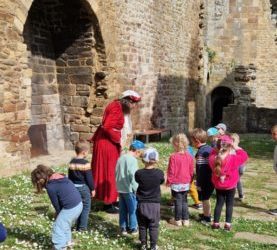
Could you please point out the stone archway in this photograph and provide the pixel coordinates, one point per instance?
(221, 97)
(66, 54)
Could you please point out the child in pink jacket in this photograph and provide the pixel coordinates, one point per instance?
(225, 161)
(179, 177)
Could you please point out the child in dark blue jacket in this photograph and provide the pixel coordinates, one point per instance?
(66, 200)
(80, 174)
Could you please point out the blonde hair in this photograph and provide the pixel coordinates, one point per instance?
(81, 146)
(222, 149)
(235, 138)
(180, 141)
(199, 134)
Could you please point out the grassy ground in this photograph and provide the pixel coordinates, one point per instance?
(29, 217)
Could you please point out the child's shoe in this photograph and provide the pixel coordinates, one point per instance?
(241, 198)
(154, 247)
(123, 231)
(174, 222)
(227, 227)
(143, 247)
(185, 223)
(206, 220)
(134, 231)
(198, 206)
(215, 225)
(273, 212)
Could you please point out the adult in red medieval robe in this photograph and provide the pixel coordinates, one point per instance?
(107, 147)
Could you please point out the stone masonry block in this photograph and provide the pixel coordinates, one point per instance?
(67, 89)
(80, 128)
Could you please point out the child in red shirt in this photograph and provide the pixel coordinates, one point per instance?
(179, 178)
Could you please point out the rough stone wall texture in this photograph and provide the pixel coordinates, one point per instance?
(242, 34)
(60, 75)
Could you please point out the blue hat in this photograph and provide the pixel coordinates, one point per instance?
(150, 155)
(212, 131)
(136, 144)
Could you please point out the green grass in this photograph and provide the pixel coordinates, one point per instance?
(29, 217)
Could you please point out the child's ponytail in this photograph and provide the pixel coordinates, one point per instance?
(222, 148)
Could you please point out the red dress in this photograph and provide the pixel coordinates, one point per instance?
(106, 151)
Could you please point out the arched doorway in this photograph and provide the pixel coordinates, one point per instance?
(220, 98)
(66, 50)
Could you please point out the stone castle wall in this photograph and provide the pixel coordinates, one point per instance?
(62, 62)
(242, 34)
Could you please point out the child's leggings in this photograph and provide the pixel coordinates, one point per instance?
(224, 196)
(239, 185)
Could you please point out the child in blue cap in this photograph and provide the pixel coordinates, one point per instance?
(126, 185)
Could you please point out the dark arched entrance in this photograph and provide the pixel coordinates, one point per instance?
(220, 98)
(66, 50)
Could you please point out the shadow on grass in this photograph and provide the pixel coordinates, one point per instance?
(244, 205)
(27, 234)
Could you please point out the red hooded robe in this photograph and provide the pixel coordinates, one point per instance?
(106, 151)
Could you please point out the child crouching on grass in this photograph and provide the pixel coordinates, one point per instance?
(126, 186)
(66, 200)
(225, 175)
(149, 180)
(179, 178)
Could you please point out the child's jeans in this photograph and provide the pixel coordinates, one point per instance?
(127, 211)
(82, 222)
(239, 185)
(224, 196)
(61, 232)
(181, 205)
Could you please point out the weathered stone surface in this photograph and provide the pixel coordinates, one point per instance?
(50, 66)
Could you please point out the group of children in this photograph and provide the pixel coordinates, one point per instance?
(217, 167)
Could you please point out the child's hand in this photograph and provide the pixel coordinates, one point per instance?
(92, 193)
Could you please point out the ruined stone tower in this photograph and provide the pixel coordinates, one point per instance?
(194, 62)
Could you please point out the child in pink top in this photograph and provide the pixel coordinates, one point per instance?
(179, 177)
(225, 161)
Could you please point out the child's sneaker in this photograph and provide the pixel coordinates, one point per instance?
(134, 232)
(215, 225)
(143, 247)
(241, 198)
(185, 223)
(273, 212)
(123, 231)
(70, 244)
(198, 206)
(154, 247)
(174, 222)
(227, 227)
(206, 220)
